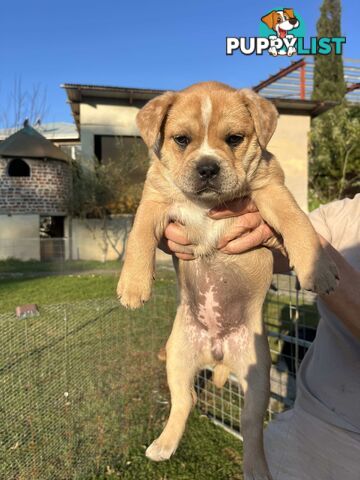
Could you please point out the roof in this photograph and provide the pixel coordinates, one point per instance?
(55, 131)
(296, 81)
(28, 143)
(78, 93)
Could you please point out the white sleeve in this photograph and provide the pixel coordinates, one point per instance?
(318, 219)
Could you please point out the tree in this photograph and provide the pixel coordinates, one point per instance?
(335, 155)
(334, 140)
(101, 190)
(20, 104)
(329, 81)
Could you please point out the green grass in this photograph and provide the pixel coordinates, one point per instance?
(84, 393)
(64, 288)
(13, 265)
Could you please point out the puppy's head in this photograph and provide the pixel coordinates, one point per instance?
(281, 21)
(209, 137)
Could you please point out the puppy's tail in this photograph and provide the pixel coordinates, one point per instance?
(220, 375)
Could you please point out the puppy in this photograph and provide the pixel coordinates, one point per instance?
(208, 146)
(282, 22)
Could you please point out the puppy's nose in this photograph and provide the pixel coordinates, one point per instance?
(207, 169)
(293, 21)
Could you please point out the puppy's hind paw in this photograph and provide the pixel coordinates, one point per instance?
(158, 452)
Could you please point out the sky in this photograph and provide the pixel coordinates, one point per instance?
(147, 44)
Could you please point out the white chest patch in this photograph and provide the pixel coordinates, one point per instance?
(201, 230)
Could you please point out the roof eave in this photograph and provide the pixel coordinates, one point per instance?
(77, 93)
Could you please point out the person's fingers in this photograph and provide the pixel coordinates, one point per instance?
(234, 208)
(251, 240)
(184, 256)
(177, 248)
(163, 245)
(241, 225)
(177, 234)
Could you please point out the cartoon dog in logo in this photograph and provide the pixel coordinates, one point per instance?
(282, 22)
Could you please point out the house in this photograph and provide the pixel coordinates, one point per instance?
(103, 114)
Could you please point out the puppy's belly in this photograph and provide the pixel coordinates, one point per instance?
(207, 341)
(219, 295)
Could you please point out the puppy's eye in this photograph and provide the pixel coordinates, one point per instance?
(279, 20)
(234, 140)
(182, 140)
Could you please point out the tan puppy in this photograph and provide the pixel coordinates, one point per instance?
(208, 146)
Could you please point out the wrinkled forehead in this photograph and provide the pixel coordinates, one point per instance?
(210, 110)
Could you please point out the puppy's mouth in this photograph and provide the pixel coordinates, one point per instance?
(208, 190)
(282, 32)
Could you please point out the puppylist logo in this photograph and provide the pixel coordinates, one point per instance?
(282, 32)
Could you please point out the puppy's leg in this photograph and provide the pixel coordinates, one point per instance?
(181, 367)
(134, 287)
(252, 370)
(314, 268)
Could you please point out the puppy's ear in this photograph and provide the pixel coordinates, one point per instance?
(269, 20)
(263, 113)
(290, 12)
(150, 118)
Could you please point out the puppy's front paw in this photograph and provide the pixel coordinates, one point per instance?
(159, 452)
(322, 277)
(134, 292)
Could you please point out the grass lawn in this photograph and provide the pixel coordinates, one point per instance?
(25, 288)
(13, 265)
(84, 393)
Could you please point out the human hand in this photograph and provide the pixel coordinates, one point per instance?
(249, 229)
(175, 242)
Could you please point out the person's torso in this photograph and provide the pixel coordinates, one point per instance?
(329, 378)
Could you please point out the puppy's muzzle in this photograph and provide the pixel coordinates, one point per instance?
(207, 169)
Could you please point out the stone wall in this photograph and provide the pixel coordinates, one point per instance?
(45, 192)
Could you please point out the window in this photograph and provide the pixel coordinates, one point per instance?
(18, 168)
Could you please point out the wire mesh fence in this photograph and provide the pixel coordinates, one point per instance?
(81, 380)
(68, 377)
(291, 318)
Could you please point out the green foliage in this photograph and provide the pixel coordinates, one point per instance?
(335, 135)
(111, 187)
(329, 81)
(335, 154)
